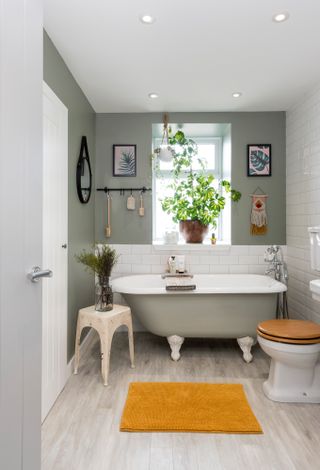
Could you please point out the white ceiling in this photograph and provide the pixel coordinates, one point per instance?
(194, 56)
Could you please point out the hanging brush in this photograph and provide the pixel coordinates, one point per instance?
(141, 208)
(108, 226)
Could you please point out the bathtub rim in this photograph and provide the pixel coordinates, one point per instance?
(274, 286)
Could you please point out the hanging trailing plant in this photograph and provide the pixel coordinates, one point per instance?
(165, 152)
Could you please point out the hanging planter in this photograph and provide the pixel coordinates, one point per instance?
(165, 153)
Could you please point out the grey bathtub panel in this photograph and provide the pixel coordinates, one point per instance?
(203, 315)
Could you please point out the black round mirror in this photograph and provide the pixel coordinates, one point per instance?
(84, 175)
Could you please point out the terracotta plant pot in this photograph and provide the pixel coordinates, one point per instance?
(193, 231)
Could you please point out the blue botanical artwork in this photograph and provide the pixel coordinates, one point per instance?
(259, 160)
(124, 160)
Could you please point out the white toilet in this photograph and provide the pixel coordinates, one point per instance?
(294, 348)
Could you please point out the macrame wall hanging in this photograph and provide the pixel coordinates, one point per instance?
(259, 220)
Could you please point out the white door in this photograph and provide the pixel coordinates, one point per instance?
(21, 34)
(55, 252)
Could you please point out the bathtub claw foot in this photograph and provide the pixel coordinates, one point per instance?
(175, 343)
(246, 344)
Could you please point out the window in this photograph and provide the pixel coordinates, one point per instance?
(211, 150)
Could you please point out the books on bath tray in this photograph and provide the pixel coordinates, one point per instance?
(179, 283)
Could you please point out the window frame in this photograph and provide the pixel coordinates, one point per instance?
(217, 172)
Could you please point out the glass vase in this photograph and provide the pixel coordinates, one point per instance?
(103, 295)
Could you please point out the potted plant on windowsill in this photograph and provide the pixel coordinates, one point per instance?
(100, 260)
(196, 202)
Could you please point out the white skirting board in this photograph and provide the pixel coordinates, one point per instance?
(86, 343)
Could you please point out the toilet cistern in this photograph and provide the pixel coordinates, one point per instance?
(315, 289)
(314, 234)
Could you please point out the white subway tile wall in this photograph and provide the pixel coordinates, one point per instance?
(144, 259)
(303, 201)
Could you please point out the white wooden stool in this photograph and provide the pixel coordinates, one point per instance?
(105, 323)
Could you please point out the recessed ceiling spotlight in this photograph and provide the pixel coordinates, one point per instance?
(153, 95)
(236, 94)
(147, 19)
(280, 17)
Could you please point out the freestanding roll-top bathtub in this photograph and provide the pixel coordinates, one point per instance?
(221, 306)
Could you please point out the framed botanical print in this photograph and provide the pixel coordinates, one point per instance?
(124, 160)
(259, 160)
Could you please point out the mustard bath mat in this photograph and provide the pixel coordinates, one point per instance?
(188, 407)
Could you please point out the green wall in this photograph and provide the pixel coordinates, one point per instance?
(246, 128)
(81, 121)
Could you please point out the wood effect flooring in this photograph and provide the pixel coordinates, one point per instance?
(81, 431)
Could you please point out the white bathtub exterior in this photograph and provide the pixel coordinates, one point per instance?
(222, 306)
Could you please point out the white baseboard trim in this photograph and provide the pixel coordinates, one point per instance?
(86, 343)
(68, 371)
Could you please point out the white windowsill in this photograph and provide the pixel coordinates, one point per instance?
(206, 246)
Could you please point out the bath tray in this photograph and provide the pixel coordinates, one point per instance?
(181, 288)
(165, 275)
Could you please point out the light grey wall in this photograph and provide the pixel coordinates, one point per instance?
(246, 128)
(127, 226)
(81, 121)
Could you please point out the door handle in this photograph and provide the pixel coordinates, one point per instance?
(37, 273)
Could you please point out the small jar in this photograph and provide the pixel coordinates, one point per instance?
(172, 265)
(213, 239)
(103, 295)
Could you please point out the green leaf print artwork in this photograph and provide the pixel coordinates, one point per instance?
(127, 163)
(259, 163)
(124, 160)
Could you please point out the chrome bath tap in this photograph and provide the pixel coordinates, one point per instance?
(273, 256)
(274, 268)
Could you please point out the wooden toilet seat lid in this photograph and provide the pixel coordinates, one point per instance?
(290, 330)
(278, 339)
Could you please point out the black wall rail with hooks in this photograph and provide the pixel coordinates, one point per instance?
(122, 191)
